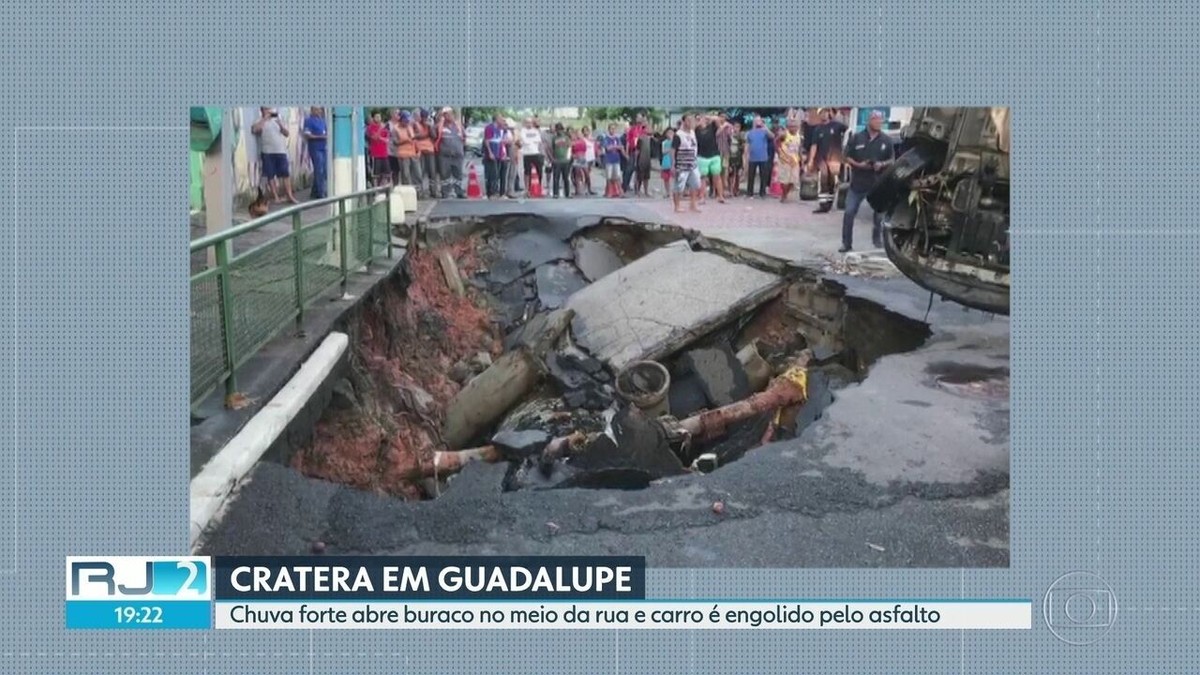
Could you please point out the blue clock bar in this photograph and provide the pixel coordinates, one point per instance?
(143, 615)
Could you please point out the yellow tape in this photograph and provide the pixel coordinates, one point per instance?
(799, 377)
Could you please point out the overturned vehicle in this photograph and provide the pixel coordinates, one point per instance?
(947, 200)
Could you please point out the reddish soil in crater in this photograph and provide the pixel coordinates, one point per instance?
(405, 344)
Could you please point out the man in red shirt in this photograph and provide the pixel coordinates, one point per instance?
(377, 139)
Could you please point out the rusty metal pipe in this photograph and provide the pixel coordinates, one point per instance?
(447, 462)
(452, 461)
(791, 388)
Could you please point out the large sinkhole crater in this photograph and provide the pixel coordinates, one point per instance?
(602, 355)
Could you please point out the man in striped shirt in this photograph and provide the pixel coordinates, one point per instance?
(683, 162)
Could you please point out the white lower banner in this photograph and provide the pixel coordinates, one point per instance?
(646, 614)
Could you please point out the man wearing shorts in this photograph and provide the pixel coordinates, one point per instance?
(272, 137)
(708, 161)
(825, 156)
(613, 152)
(724, 131)
(684, 164)
(668, 141)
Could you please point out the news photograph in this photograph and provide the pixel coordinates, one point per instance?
(707, 336)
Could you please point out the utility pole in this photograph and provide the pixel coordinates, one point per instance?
(218, 182)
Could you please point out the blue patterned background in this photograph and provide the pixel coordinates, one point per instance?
(93, 429)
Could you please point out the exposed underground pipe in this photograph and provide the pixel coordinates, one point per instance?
(790, 388)
(452, 461)
(448, 462)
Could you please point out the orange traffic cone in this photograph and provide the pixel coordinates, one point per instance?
(473, 191)
(535, 183)
(776, 188)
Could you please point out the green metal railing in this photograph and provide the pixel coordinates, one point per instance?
(243, 300)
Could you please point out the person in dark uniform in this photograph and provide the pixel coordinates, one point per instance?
(825, 156)
(868, 153)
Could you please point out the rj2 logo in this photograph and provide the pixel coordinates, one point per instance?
(136, 578)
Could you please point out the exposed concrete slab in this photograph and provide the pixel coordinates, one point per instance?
(663, 301)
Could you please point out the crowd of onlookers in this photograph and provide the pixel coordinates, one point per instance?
(704, 156)
(419, 148)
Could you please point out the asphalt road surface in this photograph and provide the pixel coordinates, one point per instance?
(901, 470)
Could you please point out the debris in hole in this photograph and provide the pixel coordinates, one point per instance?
(706, 463)
(450, 271)
(718, 508)
(486, 398)
(675, 360)
(581, 379)
(632, 452)
(405, 338)
(595, 258)
(758, 371)
(517, 445)
(663, 301)
(645, 385)
(535, 247)
(719, 373)
(557, 282)
(788, 389)
(542, 332)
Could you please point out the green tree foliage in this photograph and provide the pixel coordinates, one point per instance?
(653, 115)
(483, 115)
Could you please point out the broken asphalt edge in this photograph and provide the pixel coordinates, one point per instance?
(218, 478)
(446, 229)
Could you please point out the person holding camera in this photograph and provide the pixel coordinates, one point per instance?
(869, 153)
(272, 136)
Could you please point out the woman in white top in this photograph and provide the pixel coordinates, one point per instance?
(531, 150)
(591, 159)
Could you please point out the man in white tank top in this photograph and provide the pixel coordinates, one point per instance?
(531, 149)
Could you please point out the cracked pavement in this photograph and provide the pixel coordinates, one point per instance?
(900, 471)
